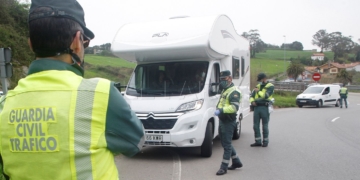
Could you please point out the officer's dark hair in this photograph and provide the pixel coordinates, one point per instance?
(52, 33)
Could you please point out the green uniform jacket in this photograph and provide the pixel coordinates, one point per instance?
(263, 95)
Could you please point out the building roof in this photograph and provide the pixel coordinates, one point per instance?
(310, 68)
(341, 66)
(318, 54)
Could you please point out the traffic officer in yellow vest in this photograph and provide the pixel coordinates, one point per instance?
(55, 124)
(260, 99)
(343, 95)
(227, 108)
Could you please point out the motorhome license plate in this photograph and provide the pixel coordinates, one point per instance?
(303, 101)
(153, 138)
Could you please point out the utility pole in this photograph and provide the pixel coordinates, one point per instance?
(5, 67)
(284, 55)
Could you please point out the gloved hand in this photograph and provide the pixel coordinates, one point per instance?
(217, 112)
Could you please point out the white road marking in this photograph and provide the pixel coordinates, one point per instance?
(176, 175)
(335, 119)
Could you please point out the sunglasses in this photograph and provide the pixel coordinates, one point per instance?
(85, 40)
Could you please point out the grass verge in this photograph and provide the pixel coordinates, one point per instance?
(285, 99)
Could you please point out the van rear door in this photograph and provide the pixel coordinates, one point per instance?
(326, 95)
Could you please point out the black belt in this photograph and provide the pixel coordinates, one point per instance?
(262, 104)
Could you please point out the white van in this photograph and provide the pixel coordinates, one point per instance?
(319, 95)
(174, 88)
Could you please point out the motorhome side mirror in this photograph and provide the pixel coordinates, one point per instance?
(325, 92)
(213, 88)
(118, 86)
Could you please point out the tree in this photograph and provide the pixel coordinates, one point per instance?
(294, 70)
(345, 76)
(256, 44)
(297, 46)
(340, 45)
(321, 39)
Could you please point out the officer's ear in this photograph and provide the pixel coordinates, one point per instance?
(30, 45)
(77, 44)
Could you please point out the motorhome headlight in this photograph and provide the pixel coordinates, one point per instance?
(193, 105)
(312, 97)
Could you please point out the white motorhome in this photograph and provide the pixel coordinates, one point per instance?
(174, 88)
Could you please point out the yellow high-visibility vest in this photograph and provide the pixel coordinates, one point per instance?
(343, 90)
(224, 101)
(52, 126)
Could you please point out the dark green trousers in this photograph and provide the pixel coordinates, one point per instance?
(261, 112)
(343, 97)
(226, 131)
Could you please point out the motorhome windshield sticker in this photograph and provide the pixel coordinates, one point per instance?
(161, 34)
(227, 35)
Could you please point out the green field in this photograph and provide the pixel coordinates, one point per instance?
(114, 69)
(279, 54)
(108, 61)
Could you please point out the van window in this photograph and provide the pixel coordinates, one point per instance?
(168, 79)
(214, 78)
(313, 90)
(236, 68)
(327, 90)
(242, 66)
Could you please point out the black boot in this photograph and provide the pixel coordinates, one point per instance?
(265, 144)
(221, 172)
(255, 144)
(234, 166)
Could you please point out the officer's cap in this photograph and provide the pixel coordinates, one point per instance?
(261, 76)
(70, 9)
(225, 73)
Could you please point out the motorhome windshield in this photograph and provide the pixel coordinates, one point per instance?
(168, 79)
(313, 90)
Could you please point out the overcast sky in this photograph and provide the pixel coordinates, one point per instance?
(298, 20)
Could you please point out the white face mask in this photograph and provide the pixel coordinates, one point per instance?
(203, 74)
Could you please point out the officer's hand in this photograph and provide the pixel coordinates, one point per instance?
(256, 89)
(253, 103)
(217, 112)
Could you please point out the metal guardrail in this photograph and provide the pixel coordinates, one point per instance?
(353, 87)
(290, 86)
(301, 86)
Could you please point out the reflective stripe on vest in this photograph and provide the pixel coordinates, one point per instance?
(82, 129)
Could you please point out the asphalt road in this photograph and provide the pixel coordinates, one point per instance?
(305, 143)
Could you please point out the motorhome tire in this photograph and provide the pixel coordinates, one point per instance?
(206, 147)
(337, 103)
(320, 103)
(237, 130)
(300, 106)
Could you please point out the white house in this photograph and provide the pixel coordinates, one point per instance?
(318, 56)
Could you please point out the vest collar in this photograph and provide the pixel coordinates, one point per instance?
(50, 64)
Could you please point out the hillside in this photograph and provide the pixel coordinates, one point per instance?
(114, 69)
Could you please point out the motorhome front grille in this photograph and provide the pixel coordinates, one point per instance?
(155, 121)
(157, 132)
(151, 123)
